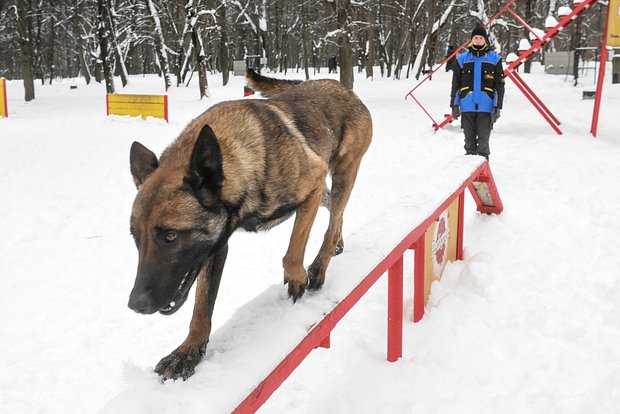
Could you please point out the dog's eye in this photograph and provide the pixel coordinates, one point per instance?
(170, 236)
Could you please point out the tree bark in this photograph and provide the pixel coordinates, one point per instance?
(77, 32)
(160, 44)
(26, 53)
(197, 49)
(103, 35)
(223, 45)
(342, 10)
(304, 40)
(529, 13)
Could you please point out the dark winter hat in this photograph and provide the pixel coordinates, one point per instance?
(480, 31)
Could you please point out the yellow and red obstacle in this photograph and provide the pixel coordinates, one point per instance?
(4, 108)
(137, 105)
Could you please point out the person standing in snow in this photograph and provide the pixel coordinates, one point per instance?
(477, 92)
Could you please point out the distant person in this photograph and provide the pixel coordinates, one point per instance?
(450, 64)
(332, 64)
(477, 92)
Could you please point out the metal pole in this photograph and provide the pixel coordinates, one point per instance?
(395, 311)
(601, 79)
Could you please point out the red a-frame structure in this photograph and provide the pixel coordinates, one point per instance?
(511, 70)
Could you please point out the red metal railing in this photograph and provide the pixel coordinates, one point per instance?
(319, 336)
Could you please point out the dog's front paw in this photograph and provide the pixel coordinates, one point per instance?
(296, 290)
(179, 364)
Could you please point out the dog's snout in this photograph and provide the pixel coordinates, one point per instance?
(141, 302)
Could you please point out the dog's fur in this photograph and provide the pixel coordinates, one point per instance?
(245, 164)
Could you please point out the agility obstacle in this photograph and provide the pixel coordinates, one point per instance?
(510, 71)
(432, 228)
(137, 105)
(4, 108)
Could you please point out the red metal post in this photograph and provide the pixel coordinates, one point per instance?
(601, 78)
(166, 108)
(395, 311)
(418, 278)
(534, 96)
(107, 104)
(461, 222)
(520, 20)
(425, 111)
(517, 82)
(326, 342)
(6, 106)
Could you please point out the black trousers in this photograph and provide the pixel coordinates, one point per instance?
(477, 128)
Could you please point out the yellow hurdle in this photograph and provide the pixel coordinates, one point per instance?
(4, 108)
(137, 105)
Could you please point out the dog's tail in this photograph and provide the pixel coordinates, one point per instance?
(268, 86)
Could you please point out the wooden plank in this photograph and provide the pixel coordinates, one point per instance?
(156, 99)
(137, 105)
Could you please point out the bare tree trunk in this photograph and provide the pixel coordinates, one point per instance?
(197, 49)
(304, 39)
(223, 46)
(25, 48)
(160, 44)
(111, 26)
(342, 8)
(574, 44)
(529, 13)
(75, 20)
(103, 35)
(50, 55)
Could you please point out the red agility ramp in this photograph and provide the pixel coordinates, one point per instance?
(511, 69)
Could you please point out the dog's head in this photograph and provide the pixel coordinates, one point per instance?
(176, 221)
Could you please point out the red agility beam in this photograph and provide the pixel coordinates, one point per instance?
(483, 189)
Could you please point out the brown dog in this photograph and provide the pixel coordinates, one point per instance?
(246, 164)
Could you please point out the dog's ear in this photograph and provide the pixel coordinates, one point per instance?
(142, 162)
(205, 175)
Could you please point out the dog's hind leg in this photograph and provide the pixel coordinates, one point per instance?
(326, 202)
(182, 361)
(293, 261)
(343, 168)
(343, 179)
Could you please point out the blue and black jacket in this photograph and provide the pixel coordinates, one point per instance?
(478, 80)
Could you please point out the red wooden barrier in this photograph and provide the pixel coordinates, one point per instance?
(484, 192)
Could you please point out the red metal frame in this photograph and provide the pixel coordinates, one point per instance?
(6, 105)
(166, 108)
(534, 100)
(395, 311)
(393, 264)
(510, 70)
(601, 78)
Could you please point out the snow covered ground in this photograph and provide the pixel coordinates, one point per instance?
(529, 322)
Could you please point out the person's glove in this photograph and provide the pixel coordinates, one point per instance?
(495, 114)
(456, 112)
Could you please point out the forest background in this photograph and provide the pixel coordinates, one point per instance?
(43, 40)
